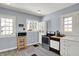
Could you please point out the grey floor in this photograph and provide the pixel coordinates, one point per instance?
(39, 51)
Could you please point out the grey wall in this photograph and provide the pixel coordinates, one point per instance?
(53, 22)
(32, 37)
(9, 42)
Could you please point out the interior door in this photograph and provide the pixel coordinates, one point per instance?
(42, 30)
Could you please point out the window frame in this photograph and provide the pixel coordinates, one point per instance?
(14, 25)
(32, 26)
(62, 23)
(67, 24)
(75, 28)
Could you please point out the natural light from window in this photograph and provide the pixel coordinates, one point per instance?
(6, 26)
(32, 25)
(68, 24)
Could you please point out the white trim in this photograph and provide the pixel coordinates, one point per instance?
(69, 14)
(14, 24)
(75, 23)
(3, 50)
(72, 14)
(32, 43)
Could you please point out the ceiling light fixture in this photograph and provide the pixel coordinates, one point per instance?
(8, 3)
(39, 11)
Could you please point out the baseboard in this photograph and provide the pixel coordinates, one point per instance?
(33, 43)
(3, 50)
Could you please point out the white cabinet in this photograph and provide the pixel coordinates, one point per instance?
(63, 47)
(73, 48)
(54, 44)
(69, 47)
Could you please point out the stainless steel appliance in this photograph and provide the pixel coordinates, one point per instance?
(45, 42)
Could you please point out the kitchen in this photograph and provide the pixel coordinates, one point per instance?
(53, 33)
(66, 21)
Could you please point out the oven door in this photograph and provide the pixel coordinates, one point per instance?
(54, 44)
(45, 40)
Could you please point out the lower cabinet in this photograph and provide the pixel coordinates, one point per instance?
(73, 48)
(69, 48)
(63, 47)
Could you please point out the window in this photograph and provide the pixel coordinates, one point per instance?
(32, 25)
(68, 24)
(7, 26)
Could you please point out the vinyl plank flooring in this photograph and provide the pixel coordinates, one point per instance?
(29, 51)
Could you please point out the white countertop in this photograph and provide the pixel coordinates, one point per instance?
(74, 38)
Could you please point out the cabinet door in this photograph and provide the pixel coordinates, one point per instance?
(63, 47)
(73, 48)
(54, 44)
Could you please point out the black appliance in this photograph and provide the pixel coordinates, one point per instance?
(50, 33)
(45, 42)
(22, 34)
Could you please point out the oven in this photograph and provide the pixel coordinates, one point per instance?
(45, 42)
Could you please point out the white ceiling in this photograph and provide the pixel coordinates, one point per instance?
(46, 8)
